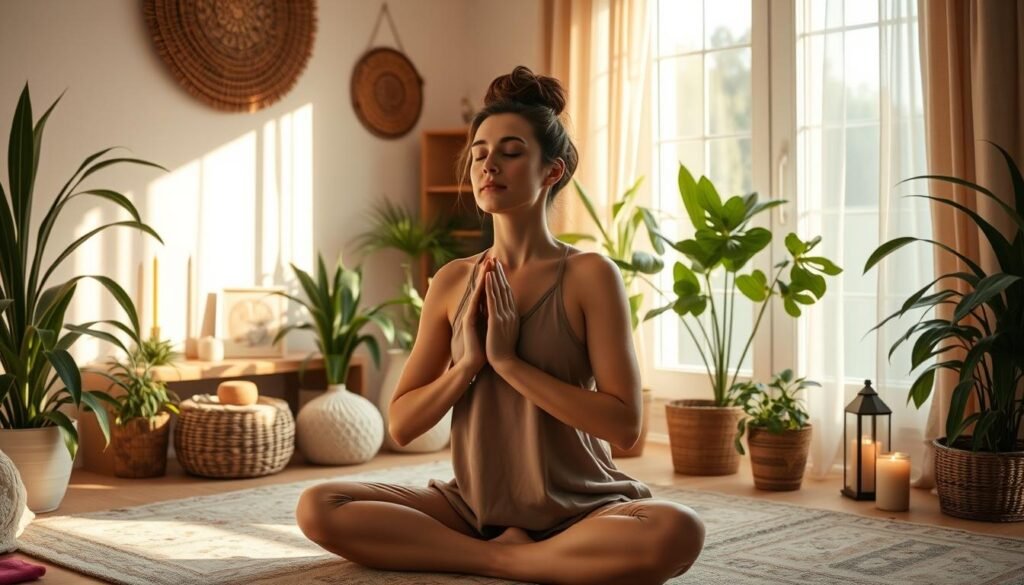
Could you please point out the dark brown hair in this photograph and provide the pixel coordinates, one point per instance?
(540, 100)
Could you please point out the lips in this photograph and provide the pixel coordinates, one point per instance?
(492, 187)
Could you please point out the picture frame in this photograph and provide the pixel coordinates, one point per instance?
(248, 318)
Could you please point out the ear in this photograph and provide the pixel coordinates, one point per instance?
(556, 172)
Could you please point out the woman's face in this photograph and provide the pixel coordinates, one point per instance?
(506, 171)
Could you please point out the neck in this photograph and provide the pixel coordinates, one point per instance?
(518, 240)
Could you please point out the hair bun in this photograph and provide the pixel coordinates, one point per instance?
(526, 87)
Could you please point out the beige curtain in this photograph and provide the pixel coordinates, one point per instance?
(600, 50)
(972, 54)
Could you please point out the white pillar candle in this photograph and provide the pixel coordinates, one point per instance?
(893, 491)
(868, 451)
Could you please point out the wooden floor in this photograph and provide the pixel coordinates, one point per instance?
(90, 492)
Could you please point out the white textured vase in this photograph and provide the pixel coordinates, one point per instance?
(43, 463)
(339, 428)
(14, 514)
(434, 439)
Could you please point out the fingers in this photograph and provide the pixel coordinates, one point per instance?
(492, 300)
(476, 297)
(506, 290)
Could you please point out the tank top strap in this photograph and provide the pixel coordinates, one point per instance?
(469, 285)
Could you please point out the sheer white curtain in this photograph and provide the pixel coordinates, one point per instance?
(861, 131)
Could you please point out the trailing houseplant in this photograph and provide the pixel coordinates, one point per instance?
(777, 429)
(725, 241)
(985, 325)
(617, 241)
(40, 375)
(339, 427)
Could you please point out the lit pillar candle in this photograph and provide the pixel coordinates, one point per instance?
(868, 452)
(893, 491)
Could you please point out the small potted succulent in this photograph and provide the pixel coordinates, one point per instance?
(617, 242)
(777, 431)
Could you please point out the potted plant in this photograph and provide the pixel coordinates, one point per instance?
(395, 227)
(701, 431)
(154, 351)
(617, 243)
(40, 375)
(338, 427)
(979, 464)
(777, 429)
(141, 405)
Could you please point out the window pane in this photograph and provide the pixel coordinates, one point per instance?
(729, 95)
(860, 234)
(731, 166)
(727, 23)
(680, 26)
(860, 12)
(816, 15)
(681, 97)
(691, 154)
(862, 144)
(862, 91)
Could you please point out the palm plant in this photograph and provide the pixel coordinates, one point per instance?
(337, 320)
(726, 241)
(987, 323)
(154, 352)
(40, 376)
(617, 241)
(395, 227)
(410, 307)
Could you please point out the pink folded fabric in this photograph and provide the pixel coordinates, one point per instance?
(17, 571)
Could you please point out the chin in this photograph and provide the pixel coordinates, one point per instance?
(498, 201)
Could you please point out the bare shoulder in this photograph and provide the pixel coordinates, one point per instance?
(591, 269)
(449, 282)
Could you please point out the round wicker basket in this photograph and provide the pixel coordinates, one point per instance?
(701, 437)
(979, 486)
(225, 441)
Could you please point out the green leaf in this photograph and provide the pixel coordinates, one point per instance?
(988, 288)
(823, 264)
(685, 280)
(709, 198)
(655, 312)
(67, 430)
(652, 230)
(791, 307)
(691, 200)
(573, 238)
(751, 288)
(734, 212)
(646, 262)
(794, 245)
(922, 388)
(90, 400)
(589, 206)
(886, 249)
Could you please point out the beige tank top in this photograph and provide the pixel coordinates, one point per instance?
(515, 464)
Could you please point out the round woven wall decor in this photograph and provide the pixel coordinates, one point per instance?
(387, 92)
(235, 55)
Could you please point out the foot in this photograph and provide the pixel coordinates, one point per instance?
(513, 535)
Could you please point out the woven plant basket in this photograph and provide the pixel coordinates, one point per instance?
(226, 441)
(979, 486)
(140, 446)
(701, 437)
(778, 460)
(637, 449)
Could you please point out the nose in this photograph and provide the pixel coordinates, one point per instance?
(490, 167)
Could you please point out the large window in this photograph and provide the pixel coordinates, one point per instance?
(826, 130)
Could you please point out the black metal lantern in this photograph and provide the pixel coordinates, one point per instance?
(866, 417)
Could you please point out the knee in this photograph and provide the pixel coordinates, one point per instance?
(312, 513)
(680, 535)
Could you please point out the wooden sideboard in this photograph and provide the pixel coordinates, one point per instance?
(275, 377)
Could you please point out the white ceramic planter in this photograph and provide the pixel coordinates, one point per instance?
(433, 440)
(339, 428)
(43, 462)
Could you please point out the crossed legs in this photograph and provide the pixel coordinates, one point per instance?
(400, 528)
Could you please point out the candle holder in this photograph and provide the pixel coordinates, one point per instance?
(865, 416)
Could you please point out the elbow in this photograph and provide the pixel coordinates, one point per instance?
(396, 433)
(628, 437)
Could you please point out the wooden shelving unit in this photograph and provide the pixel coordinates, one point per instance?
(442, 196)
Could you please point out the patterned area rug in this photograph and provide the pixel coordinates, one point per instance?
(250, 537)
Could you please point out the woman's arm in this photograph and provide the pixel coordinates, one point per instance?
(613, 413)
(428, 388)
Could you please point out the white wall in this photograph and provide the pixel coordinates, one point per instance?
(247, 193)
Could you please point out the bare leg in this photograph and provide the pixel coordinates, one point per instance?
(656, 541)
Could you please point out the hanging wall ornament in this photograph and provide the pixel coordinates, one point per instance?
(387, 91)
(235, 55)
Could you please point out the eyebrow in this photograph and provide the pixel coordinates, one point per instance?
(503, 140)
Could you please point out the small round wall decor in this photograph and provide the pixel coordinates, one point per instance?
(387, 92)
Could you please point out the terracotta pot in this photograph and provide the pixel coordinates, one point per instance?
(140, 446)
(638, 448)
(701, 437)
(778, 460)
(979, 485)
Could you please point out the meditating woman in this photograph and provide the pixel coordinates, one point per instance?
(530, 342)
